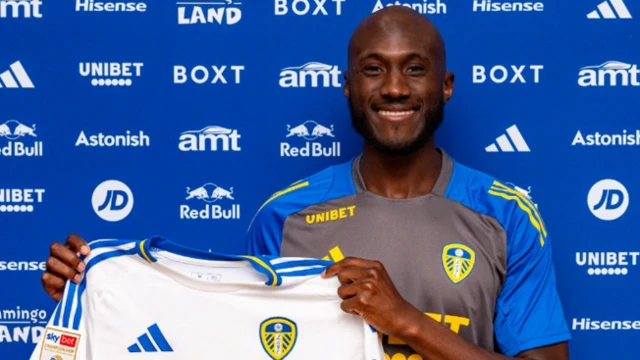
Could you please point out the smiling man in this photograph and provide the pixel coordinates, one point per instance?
(448, 262)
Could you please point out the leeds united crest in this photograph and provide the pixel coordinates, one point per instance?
(458, 261)
(278, 336)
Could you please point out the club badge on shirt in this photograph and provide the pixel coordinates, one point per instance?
(458, 261)
(278, 336)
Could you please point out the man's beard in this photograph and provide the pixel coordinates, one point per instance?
(432, 120)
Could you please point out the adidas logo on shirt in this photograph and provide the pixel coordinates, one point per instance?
(503, 144)
(610, 9)
(151, 341)
(15, 77)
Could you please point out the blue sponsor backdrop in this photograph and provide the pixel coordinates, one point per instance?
(127, 120)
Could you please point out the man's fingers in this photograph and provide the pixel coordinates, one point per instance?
(53, 285)
(351, 275)
(346, 263)
(351, 306)
(67, 256)
(52, 281)
(348, 290)
(77, 244)
(57, 267)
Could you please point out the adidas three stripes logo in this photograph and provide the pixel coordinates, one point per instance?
(15, 77)
(151, 341)
(610, 9)
(503, 144)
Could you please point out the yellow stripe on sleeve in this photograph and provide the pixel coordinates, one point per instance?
(525, 208)
(502, 187)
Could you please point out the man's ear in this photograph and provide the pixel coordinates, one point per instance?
(345, 88)
(447, 86)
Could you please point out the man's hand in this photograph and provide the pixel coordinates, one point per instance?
(64, 264)
(367, 290)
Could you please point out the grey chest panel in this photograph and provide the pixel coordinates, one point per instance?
(446, 259)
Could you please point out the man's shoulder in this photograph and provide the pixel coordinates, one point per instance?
(330, 183)
(486, 194)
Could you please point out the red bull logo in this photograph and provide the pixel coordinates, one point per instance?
(210, 193)
(17, 133)
(310, 131)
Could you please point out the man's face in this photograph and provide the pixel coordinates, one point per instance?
(395, 91)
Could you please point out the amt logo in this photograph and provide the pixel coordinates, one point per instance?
(608, 199)
(112, 200)
(11, 8)
(312, 74)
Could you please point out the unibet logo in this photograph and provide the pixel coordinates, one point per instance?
(425, 7)
(310, 131)
(608, 199)
(111, 74)
(493, 6)
(500, 74)
(20, 138)
(112, 200)
(200, 74)
(93, 6)
(20, 9)
(210, 138)
(197, 12)
(607, 263)
(610, 73)
(20, 200)
(331, 215)
(305, 7)
(599, 139)
(312, 74)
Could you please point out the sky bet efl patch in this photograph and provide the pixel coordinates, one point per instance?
(59, 345)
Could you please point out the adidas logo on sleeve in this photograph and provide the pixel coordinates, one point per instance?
(161, 299)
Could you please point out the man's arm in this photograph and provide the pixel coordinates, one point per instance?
(368, 291)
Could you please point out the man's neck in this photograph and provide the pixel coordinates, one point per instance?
(401, 176)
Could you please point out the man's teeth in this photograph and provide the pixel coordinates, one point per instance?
(395, 113)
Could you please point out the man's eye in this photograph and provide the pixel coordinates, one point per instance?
(415, 68)
(372, 68)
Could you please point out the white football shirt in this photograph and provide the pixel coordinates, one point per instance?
(154, 296)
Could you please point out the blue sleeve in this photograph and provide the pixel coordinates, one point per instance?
(529, 313)
(265, 233)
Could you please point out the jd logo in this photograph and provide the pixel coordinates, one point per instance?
(112, 200)
(608, 199)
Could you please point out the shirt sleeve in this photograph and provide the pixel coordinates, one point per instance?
(529, 313)
(265, 232)
(64, 337)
